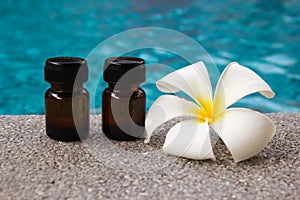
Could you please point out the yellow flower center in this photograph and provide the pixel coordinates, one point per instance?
(206, 112)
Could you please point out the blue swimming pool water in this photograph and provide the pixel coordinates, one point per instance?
(264, 35)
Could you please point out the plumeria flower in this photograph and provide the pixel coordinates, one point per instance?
(245, 132)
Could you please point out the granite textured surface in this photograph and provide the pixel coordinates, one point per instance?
(32, 166)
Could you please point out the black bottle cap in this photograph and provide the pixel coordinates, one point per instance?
(116, 67)
(65, 70)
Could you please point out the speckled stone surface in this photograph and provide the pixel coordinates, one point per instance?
(36, 167)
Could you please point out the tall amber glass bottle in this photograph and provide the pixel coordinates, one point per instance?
(123, 101)
(66, 102)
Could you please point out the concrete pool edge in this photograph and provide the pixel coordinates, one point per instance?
(32, 165)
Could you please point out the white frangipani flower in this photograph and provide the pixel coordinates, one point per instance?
(245, 132)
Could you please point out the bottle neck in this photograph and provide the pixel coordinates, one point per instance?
(66, 88)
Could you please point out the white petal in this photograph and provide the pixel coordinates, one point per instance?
(245, 132)
(165, 108)
(189, 139)
(236, 82)
(193, 80)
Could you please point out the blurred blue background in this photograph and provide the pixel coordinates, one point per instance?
(263, 35)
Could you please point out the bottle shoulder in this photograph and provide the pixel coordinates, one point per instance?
(137, 93)
(61, 95)
(84, 91)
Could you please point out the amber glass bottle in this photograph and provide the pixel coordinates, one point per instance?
(123, 101)
(66, 102)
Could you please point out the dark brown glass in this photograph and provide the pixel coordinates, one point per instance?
(128, 97)
(67, 112)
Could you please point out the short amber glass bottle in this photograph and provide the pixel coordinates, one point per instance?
(123, 101)
(66, 102)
